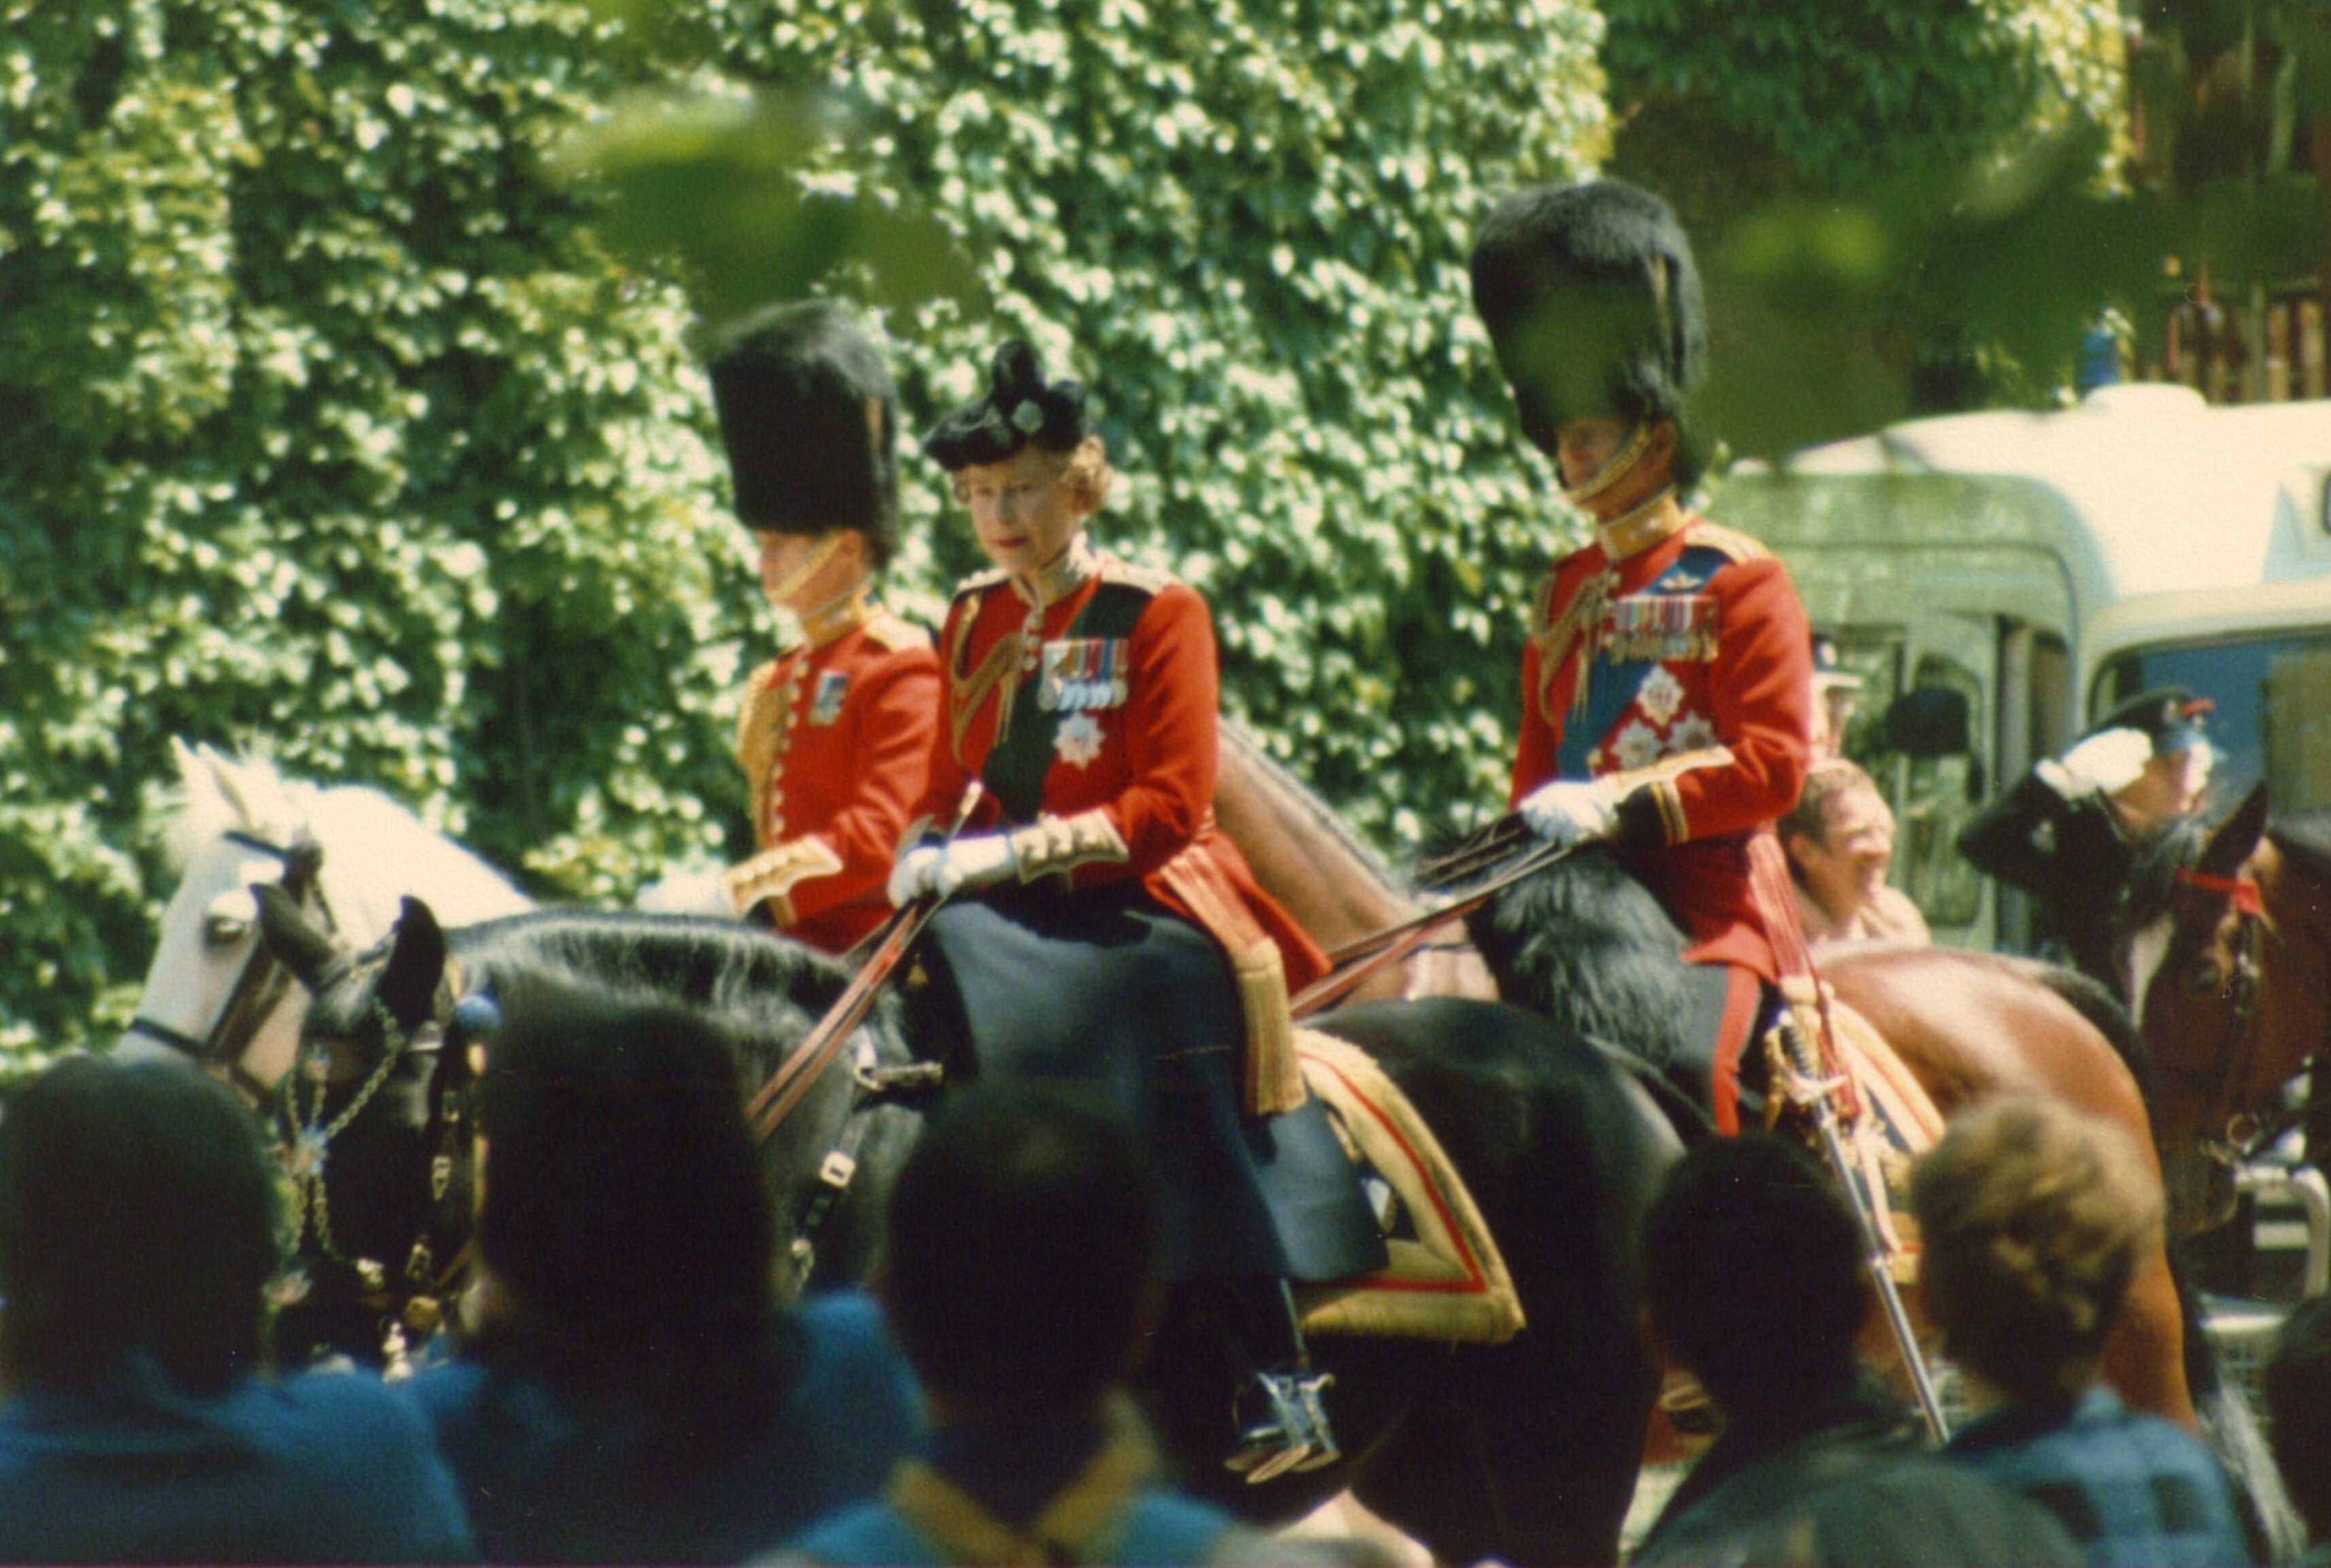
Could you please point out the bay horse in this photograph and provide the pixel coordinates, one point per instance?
(1526, 1451)
(1585, 945)
(2227, 939)
(348, 852)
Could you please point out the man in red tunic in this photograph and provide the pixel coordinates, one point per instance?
(1667, 686)
(835, 737)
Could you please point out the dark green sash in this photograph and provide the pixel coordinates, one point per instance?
(1022, 758)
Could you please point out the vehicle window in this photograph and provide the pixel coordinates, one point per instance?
(1932, 801)
(2272, 720)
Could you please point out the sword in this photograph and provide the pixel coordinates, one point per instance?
(775, 1099)
(1817, 1095)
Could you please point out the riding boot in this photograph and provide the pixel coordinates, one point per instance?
(1282, 1418)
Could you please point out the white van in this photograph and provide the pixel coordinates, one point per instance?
(2043, 567)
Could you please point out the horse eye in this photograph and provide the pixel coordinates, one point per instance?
(225, 930)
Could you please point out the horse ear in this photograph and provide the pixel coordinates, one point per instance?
(296, 942)
(2233, 840)
(416, 963)
(225, 772)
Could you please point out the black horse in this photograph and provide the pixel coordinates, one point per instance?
(1526, 1451)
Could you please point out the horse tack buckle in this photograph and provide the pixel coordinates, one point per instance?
(837, 1169)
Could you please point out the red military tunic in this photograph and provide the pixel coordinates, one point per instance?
(835, 741)
(1118, 666)
(1674, 656)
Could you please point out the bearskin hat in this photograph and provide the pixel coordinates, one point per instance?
(1018, 407)
(1593, 304)
(809, 417)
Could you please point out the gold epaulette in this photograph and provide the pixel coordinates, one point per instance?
(1151, 578)
(896, 634)
(1731, 543)
(981, 582)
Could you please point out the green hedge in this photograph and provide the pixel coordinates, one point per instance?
(327, 423)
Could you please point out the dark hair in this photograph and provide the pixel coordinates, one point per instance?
(1752, 1270)
(624, 1211)
(2297, 1388)
(1593, 304)
(1024, 1237)
(810, 418)
(138, 1212)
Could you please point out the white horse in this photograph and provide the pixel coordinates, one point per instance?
(349, 853)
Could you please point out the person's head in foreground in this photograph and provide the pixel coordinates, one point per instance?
(2032, 1218)
(1752, 1273)
(137, 1216)
(1025, 1242)
(2297, 1387)
(624, 1224)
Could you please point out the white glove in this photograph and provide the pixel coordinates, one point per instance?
(688, 893)
(2103, 764)
(1565, 812)
(946, 870)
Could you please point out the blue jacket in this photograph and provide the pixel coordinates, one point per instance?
(2131, 1489)
(1045, 1490)
(545, 1482)
(326, 1467)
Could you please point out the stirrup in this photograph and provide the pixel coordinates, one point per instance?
(1294, 1434)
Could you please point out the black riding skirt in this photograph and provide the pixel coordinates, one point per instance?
(1104, 987)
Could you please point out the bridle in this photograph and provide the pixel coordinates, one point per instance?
(2243, 1130)
(414, 1299)
(263, 980)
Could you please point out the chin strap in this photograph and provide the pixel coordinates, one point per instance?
(792, 580)
(1612, 472)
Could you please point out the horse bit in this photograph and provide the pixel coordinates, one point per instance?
(263, 980)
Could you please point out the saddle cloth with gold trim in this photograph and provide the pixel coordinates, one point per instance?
(1446, 1280)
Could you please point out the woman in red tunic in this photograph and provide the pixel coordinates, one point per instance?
(1119, 937)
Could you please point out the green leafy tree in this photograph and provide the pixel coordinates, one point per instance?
(326, 421)
(330, 415)
(1904, 206)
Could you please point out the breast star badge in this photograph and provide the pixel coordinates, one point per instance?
(1078, 740)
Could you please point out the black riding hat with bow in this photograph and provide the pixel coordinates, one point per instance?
(1019, 408)
(1593, 303)
(2170, 717)
(809, 417)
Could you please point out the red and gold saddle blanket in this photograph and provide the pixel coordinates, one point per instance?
(1446, 1280)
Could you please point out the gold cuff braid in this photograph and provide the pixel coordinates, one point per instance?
(769, 877)
(1053, 843)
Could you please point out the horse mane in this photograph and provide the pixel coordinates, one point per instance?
(1312, 809)
(1587, 946)
(2095, 1002)
(374, 845)
(728, 971)
(389, 846)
